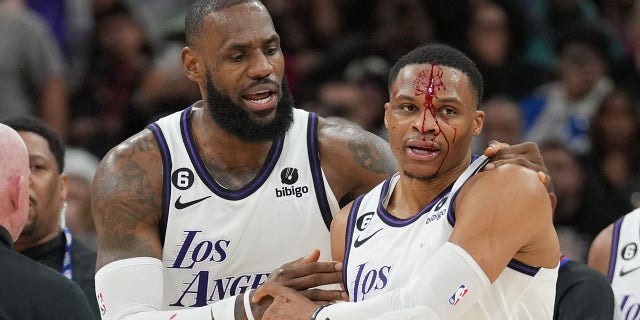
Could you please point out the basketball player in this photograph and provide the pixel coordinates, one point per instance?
(202, 205)
(614, 252)
(439, 239)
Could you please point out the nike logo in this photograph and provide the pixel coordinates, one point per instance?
(183, 205)
(360, 242)
(624, 273)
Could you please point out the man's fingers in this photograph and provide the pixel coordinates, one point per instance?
(269, 289)
(512, 160)
(313, 280)
(312, 257)
(294, 271)
(494, 147)
(544, 178)
(320, 296)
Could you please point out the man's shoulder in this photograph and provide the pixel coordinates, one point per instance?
(141, 148)
(507, 178)
(126, 171)
(33, 274)
(339, 138)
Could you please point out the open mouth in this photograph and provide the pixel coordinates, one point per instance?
(261, 96)
(423, 151)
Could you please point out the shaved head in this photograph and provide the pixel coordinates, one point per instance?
(13, 154)
(14, 181)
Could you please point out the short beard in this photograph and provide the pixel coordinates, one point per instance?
(422, 178)
(233, 119)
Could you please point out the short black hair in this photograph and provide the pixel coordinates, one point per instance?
(39, 127)
(199, 10)
(443, 55)
(585, 34)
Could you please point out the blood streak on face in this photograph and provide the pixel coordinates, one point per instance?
(427, 84)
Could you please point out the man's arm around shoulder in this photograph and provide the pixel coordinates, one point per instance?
(503, 214)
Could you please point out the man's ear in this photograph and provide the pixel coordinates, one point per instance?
(192, 65)
(479, 121)
(386, 111)
(554, 201)
(15, 192)
(64, 186)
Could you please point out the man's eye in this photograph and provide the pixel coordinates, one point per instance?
(271, 51)
(236, 57)
(448, 111)
(409, 107)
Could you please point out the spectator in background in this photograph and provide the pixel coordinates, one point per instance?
(622, 16)
(308, 30)
(627, 71)
(563, 108)
(29, 289)
(614, 161)
(80, 167)
(43, 239)
(582, 293)
(164, 87)
(357, 98)
(550, 18)
(385, 36)
(496, 36)
(70, 22)
(103, 111)
(568, 178)
(32, 79)
(503, 122)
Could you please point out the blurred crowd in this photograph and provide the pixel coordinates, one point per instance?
(562, 73)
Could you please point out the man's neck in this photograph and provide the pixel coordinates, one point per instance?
(412, 194)
(231, 161)
(26, 242)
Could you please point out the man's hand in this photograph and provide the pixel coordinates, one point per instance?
(301, 275)
(287, 303)
(526, 154)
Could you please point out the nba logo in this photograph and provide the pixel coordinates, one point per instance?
(460, 292)
(103, 307)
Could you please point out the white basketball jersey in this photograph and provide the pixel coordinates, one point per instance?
(220, 242)
(624, 265)
(384, 253)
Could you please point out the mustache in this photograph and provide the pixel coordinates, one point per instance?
(263, 81)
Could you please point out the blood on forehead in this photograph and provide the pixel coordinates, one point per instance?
(427, 84)
(429, 81)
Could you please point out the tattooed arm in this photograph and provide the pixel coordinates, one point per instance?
(126, 201)
(353, 159)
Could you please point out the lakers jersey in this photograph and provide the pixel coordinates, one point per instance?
(624, 265)
(384, 253)
(219, 242)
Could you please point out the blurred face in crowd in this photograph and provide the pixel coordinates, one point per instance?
(617, 121)
(503, 121)
(47, 191)
(580, 69)
(78, 213)
(489, 35)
